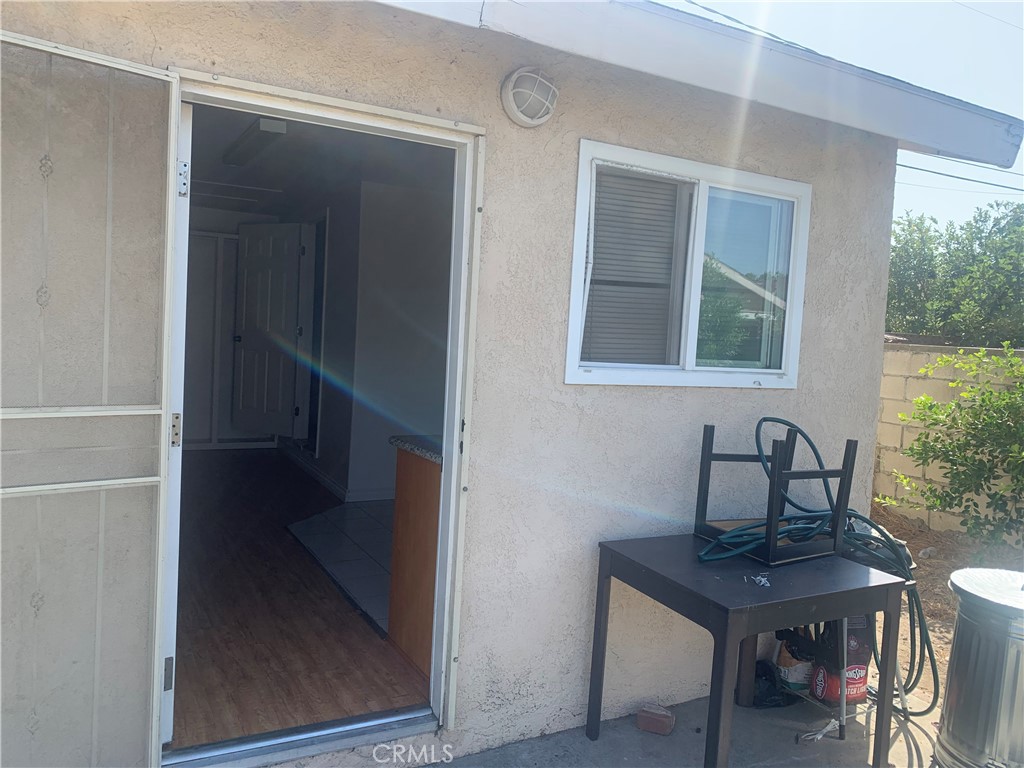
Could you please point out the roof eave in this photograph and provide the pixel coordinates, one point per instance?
(657, 40)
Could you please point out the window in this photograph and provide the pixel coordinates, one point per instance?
(645, 309)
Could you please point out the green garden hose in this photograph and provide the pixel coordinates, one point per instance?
(863, 537)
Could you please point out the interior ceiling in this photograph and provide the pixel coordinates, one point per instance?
(302, 165)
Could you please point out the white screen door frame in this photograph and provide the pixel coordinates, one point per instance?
(468, 143)
(167, 543)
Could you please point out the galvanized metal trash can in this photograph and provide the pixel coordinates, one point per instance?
(982, 720)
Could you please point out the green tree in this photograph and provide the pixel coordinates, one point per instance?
(721, 327)
(964, 282)
(976, 444)
(915, 248)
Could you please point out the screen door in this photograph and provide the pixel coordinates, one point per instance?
(86, 145)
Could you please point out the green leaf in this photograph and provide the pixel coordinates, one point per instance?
(975, 444)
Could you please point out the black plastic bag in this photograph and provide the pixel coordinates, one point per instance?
(768, 692)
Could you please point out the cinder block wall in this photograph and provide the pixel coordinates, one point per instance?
(902, 381)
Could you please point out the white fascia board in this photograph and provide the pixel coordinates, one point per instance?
(661, 41)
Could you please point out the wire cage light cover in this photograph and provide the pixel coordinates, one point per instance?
(529, 96)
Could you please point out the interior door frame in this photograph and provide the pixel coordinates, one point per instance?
(468, 143)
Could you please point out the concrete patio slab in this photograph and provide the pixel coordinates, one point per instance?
(760, 738)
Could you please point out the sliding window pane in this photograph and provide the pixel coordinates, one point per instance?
(747, 252)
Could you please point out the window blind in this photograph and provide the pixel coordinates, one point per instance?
(633, 306)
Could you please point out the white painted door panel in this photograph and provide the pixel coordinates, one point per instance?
(272, 329)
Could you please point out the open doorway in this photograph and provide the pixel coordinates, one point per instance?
(316, 356)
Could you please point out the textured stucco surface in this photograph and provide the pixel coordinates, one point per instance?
(555, 468)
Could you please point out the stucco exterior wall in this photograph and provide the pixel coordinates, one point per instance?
(553, 469)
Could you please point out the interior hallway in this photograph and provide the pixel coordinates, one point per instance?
(266, 641)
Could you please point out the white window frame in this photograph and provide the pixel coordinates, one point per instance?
(594, 154)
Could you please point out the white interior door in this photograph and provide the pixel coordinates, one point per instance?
(273, 333)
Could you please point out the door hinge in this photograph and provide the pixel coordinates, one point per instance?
(168, 673)
(296, 410)
(183, 178)
(175, 430)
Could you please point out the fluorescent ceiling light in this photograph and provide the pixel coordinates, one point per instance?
(257, 137)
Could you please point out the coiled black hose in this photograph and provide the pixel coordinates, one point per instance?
(872, 542)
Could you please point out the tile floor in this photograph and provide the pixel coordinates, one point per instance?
(353, 545)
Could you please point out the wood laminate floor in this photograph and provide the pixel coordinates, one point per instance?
(265, 640)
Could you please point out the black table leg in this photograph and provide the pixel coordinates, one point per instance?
(747, 675)
(886, 676)
(723, 681)
(604, 588)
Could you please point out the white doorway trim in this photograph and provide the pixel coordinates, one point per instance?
(230, 93)
(174, 380)
(467, 142)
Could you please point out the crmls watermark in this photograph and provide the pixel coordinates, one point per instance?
(426, 754)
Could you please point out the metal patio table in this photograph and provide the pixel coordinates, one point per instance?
(724, 598)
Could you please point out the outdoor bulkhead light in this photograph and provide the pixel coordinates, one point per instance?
(529, 96)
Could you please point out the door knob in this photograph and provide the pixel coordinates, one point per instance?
(238, 339)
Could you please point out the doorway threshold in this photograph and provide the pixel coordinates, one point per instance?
(294, 743)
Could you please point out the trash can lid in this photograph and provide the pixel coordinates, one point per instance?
(1001, 589)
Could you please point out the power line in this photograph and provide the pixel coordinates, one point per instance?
(969, 164)
(995, 18)
(751, 27)
(961, 178)
(952, 189)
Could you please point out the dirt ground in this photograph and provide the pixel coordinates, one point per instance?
(952, 550)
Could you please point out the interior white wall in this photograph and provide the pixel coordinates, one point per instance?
(331, 460)
(417, 169)
(401, 329)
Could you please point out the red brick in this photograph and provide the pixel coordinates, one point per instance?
(655, 719)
